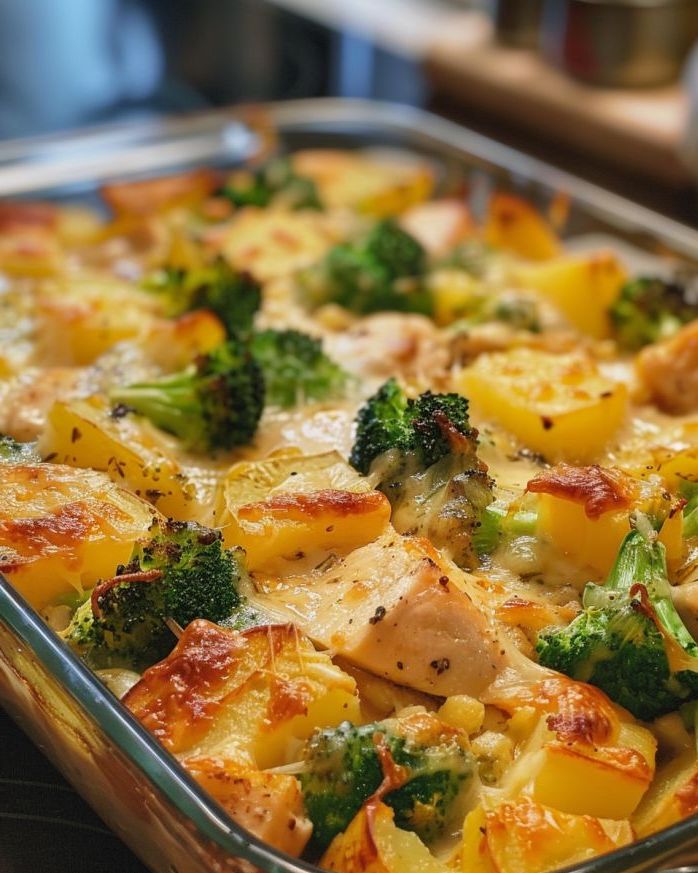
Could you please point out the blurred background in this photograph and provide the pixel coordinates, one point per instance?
(601, 87)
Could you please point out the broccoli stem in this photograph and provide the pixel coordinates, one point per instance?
(642, 561)
(166, 403)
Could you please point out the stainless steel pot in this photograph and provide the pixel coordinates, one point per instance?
(622, 43)
(517, 22)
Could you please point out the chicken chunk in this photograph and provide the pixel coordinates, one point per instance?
(269, 805)
(396, 608)
(390, 344)
(668, 371)
(439, 225)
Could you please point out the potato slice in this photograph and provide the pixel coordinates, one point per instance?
(290, 507)
(269, 805)
(514, 225)
(558, 405)
(523, 836)
(292, 526)
(174, 343)
(62, 529)
(581, 287)
(672, 797)
(275, 243)
(250, 696)
(82, 433)
(373, 844)
(147, 196)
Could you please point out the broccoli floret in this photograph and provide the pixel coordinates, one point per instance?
(391, 420)
(629, 640)
(14, 452)
(214, 404)
(183, 572)
(274, 181)
(423, 455)
(384, 422)
(650, 309)
(343, 769)
(295, 368)
(382, 272)
(234, 297)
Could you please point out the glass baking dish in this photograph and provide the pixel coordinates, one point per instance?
(135, 785)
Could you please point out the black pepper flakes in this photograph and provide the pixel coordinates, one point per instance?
(120, 410)
(378, 615)
(547, 422)
(440, 665)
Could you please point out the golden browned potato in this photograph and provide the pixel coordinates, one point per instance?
(514, 225)
(250, 696)
(578, 738)
(373, 844)
(522, 836)
(62, 529)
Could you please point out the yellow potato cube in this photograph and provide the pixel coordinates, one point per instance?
(30, 251)
(463, 711)
(675, 467)
(514, 225)
(62, 529)
(522, 836)
(455, 293)
(558, 405)
(581, 287)
(373, 844)
(290, 526)
(81, 433)
(594, 542)
(581, 738)
(174, 343)
(615, 777)
(251, 696)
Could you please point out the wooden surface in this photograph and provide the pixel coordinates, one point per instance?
(641, 130)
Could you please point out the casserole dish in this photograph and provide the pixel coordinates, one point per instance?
(139, 790)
